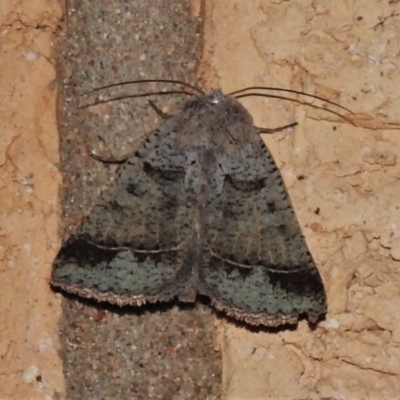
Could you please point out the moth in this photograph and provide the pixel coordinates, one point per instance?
(200, 208)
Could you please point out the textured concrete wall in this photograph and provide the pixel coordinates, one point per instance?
(346, 51)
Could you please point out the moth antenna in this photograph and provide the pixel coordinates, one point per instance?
(273, 96)
(236, 92)
(280, 129)
(130, 96)
(176, 82)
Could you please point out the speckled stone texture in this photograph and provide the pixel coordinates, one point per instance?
(153, 352)
(114, 354)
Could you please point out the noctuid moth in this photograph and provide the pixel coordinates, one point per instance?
(199, 208)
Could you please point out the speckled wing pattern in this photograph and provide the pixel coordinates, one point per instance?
(200, 208)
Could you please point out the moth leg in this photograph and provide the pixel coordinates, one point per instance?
(159, 112)
(279, 129)
(123, 158)
(111, 160)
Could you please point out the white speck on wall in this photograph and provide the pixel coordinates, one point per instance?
(333, 323)
(31, 56)
(44, 344)
(353, 48)
(30, 374)
(373, 59)
(25, 181)
(27, 248)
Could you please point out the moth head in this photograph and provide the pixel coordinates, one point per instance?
(215, 97)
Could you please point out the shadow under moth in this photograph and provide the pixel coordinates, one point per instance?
(200, 208)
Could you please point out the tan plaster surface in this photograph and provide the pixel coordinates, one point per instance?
(29, 364)
(347, 51)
